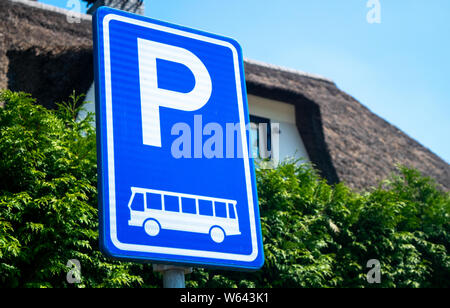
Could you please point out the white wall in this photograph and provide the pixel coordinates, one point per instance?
(290, 142)
(90, 102)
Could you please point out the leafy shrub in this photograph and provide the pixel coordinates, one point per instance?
(315, 235)
(48, 198)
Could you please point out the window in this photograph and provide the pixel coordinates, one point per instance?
(260, 137)
(205, 207)
(231, 211)
(138, 202)
(154, 201)
(221, 209)
(188, 206)
(171, 203)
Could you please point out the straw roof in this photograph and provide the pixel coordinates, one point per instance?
(42, 53)
(343, 138)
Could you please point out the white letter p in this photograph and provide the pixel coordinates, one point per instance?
(153, 97)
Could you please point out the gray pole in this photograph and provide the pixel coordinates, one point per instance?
(173, 276)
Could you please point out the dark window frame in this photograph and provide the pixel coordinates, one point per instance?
(261, 120)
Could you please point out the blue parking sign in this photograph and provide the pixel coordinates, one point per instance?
(176, 180)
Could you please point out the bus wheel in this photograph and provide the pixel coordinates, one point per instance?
(217, 234)
(152, 227)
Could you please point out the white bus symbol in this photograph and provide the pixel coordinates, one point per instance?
(156, 209)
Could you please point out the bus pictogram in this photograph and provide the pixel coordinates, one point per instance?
(157, 209)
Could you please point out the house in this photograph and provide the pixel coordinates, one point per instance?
(42, 53)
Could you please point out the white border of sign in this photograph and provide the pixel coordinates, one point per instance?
(110, 144)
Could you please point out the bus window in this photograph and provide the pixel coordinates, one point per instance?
(171, 203)
(221, 210)
(154, 201)
(188, 206)
(205, 207)
(138, 202)
(231, 211)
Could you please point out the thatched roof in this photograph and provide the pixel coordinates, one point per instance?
(41, 53)
(343, 138)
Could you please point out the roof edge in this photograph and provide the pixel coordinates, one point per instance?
(51, 8)
(289, 70)
(88, 17)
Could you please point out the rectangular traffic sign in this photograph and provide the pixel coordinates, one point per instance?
(176, 181)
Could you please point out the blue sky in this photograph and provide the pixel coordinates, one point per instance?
(398, 68)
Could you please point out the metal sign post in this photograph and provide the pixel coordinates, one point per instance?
(173, 276)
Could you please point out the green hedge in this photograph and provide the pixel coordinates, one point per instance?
(315, 235)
